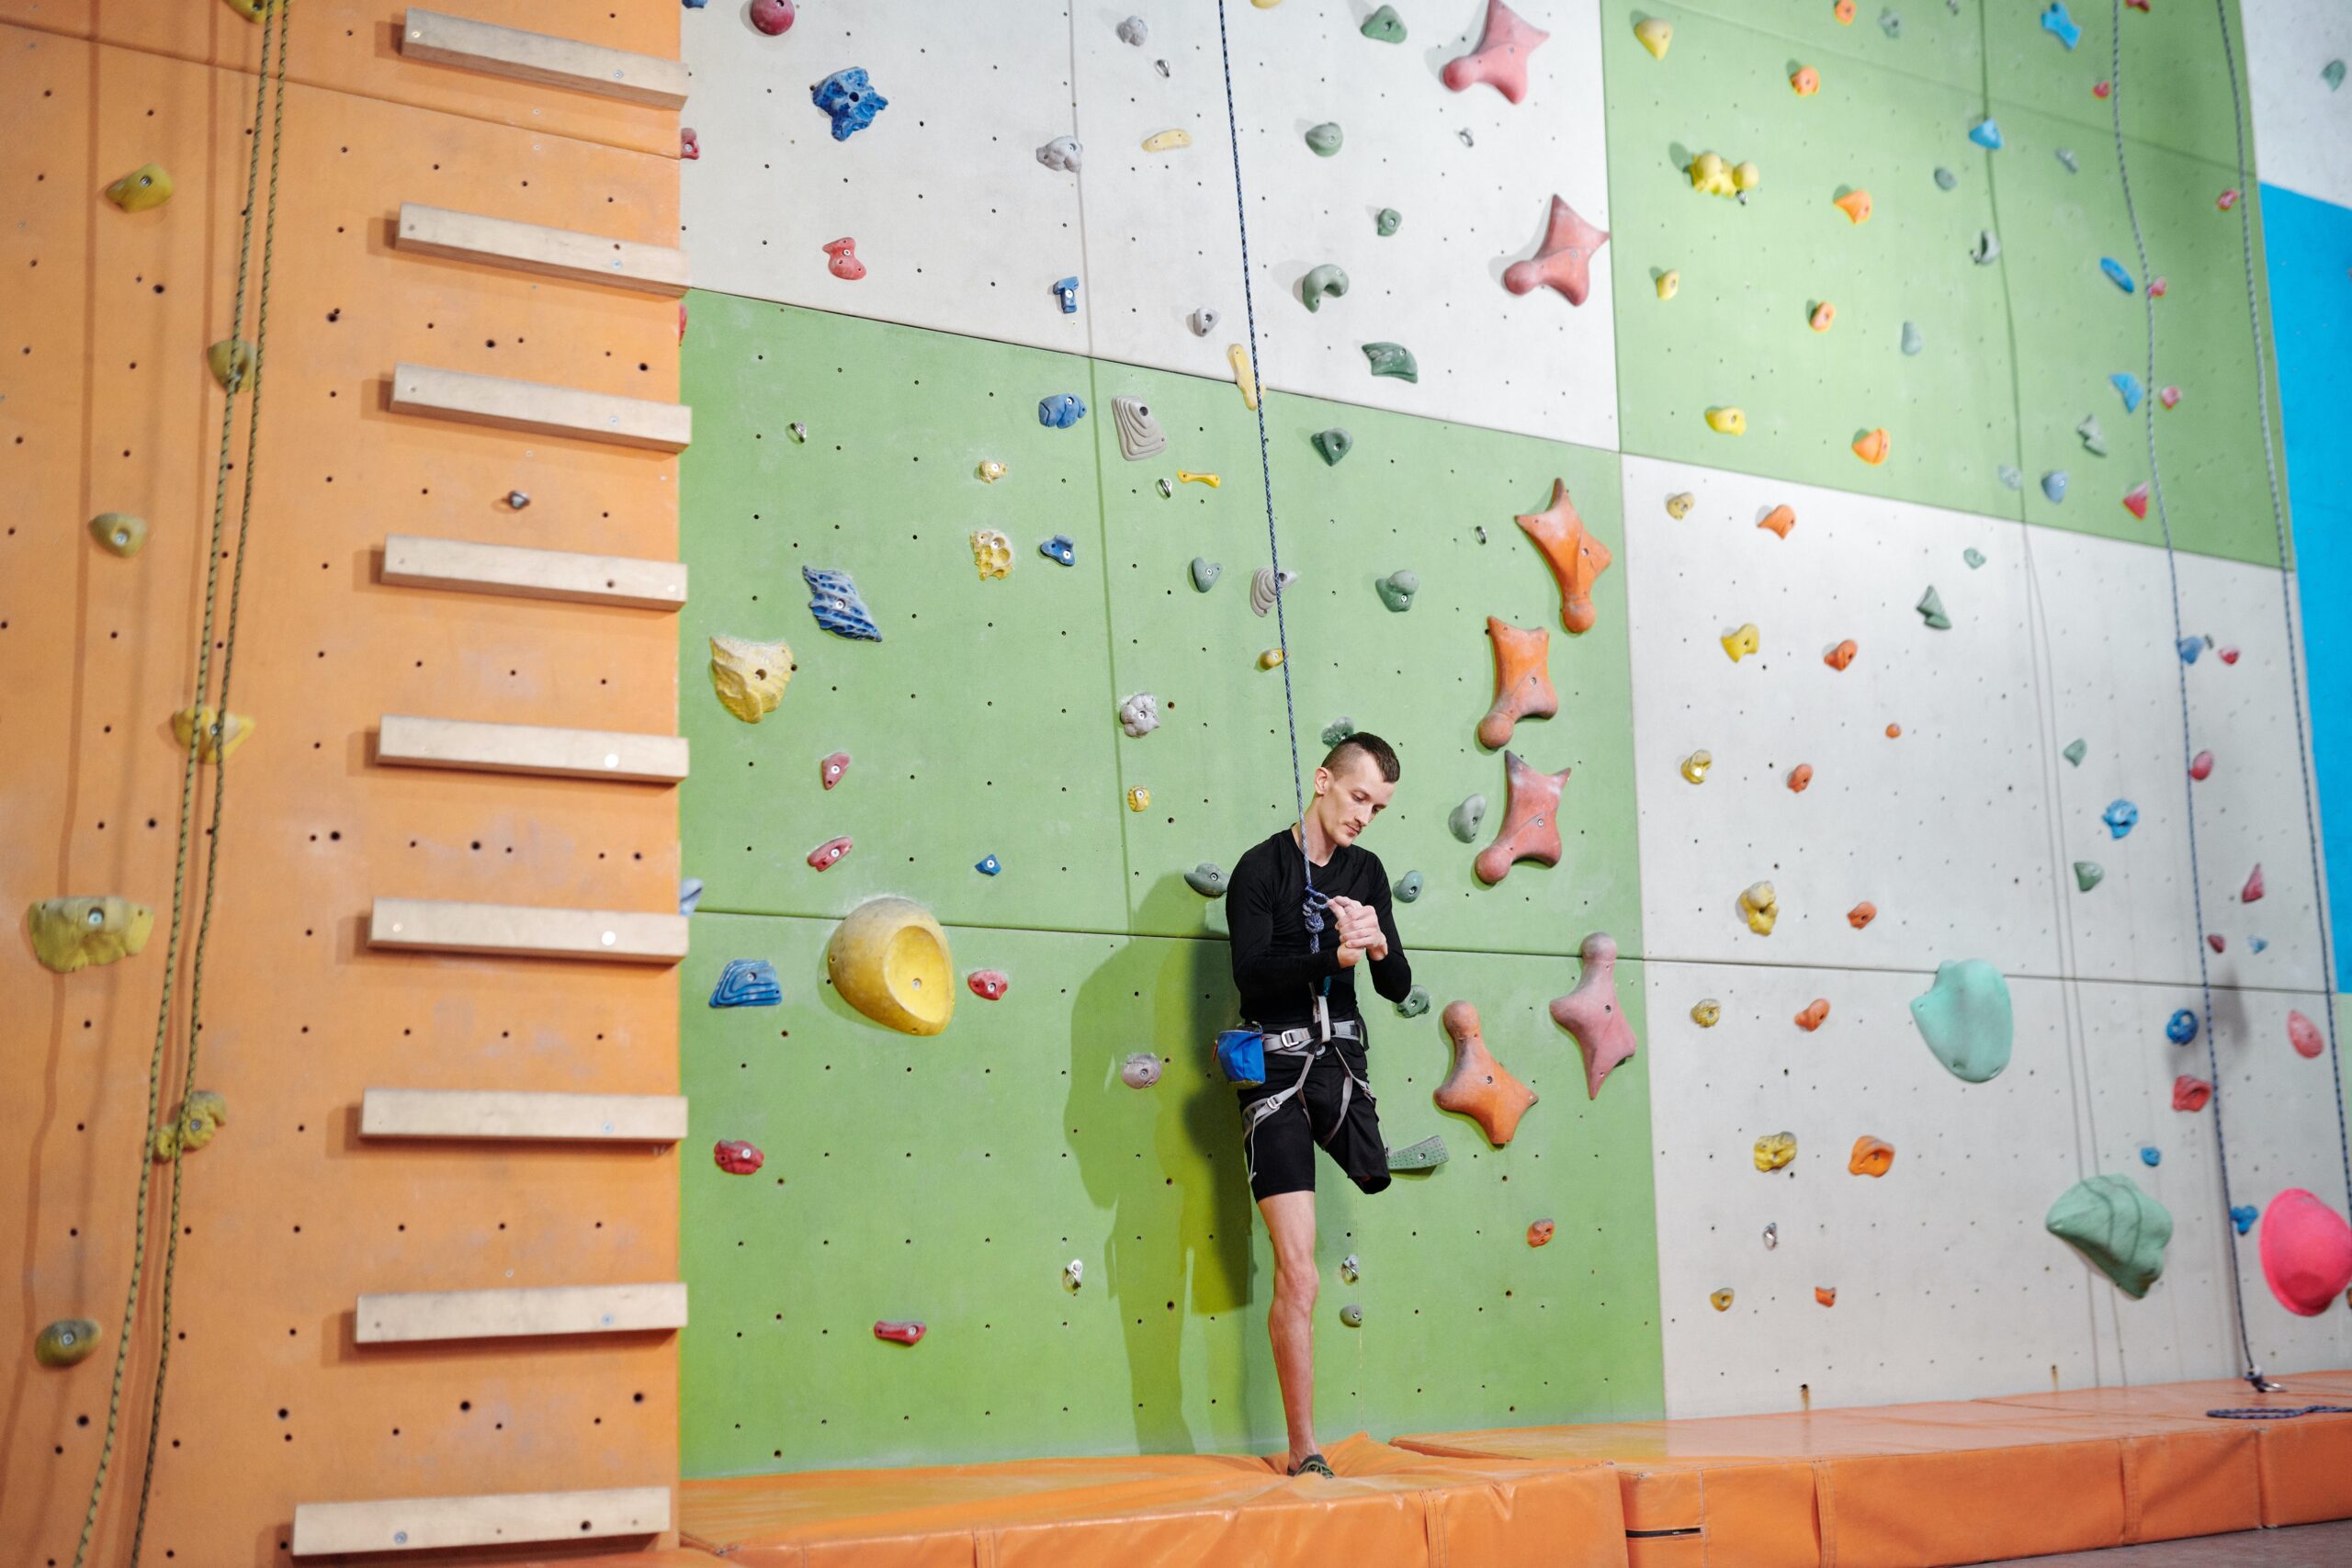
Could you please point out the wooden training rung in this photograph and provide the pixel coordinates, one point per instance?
(511, 1314)
(503, 1114)
(426, 1524)
(530, 749)
(440, 38)
(522, 931)
(550, 253)
(543, 410)
(463, 567)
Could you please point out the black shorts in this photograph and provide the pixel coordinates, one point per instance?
(1281, 1152)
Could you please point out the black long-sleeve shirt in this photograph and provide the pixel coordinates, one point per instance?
(1278, 966)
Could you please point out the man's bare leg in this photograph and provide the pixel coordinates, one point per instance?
(1290, 1222)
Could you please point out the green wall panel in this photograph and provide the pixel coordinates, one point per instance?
(950, 1179)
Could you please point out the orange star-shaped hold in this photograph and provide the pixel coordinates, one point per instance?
(1566, 260)
(1531, 828)
(1500, 59)
(1576, 557)
(1479, 1086)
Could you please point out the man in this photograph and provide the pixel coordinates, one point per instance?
(1296, 969)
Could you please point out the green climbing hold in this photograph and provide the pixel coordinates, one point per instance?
(2333, 75)
(2118, 1229)
(1388, 221)
(1207, 879)
(1396, 589)
(1974, 556)
(1393, 359)
(205, 1111)
(1932, 609)
(1339, 729)
(1334, 444)
(1946, 179)
(2076, 751)
(66, 1341)
(1417, 1002)
(1206, 572)
(2094, 438)
(2088, 874)
(1324, 139)
(1426, 1155)
(1965, 1018)
(1321, 283)
(1385, 25)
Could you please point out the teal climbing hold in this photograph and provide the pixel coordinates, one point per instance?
(1974, 556)
(1393, 359)
(1385, 25)
(2053, 484)
(1205, 573)
(1339, 729)
(2088, 874)
(2094, 438)
(1946, 179)
(1408, 888)
(2076, 751)
(2118, 1229)
(1931, 609)
(1966, 1020)
(1334, 444)
(1325, 139)
(1912, 342)
(1387, 221)
(1985, 134)
(1417, 1002)
(1396, 589)
(1426, 1155)
(1328, 281)
(2010, 476)
(2333, 75)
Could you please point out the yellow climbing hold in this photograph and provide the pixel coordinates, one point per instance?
(1705, 1013)
(1138, 799)
(73, 934)
(148, 185)
(991, 552)
(989, 470)
(1745, 177)
(1655, 34)
(1695, 766)
(1710, 175)
(1186, 477)
(1762, 907)
(1243, 376)
(217, 734)
(204, 1113)
(1669, 284)
(1870, 447)
(231, 360)
(1722, 1298)
(1270, 660)
(1167, 141)
(1775, 1150)
(889, 960)
(118, 533)
(65, 1342)
(1678, 505)
(1727, 421)
(748, 677)
(1743, 642)
(252, 10)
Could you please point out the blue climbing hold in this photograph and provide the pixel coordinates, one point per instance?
(2151, 1155)
(2190, 646)
(1985, 134)
(2258, 943)
(2120, 815)
(2242, 1215)
(689, 895)
(697, 5)
(2181, 1027)
(1061, 410)
(837, 606)
(988, 865)
(1060, 547)
(849, 98)
(2053, 484)
(747, 983)
(2128, 384)
(1067, 289)
(2115, 273)
(2063, 27)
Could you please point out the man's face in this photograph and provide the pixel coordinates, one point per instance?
(1348, 801)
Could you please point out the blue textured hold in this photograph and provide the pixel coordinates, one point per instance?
(2242, 1216)
(689, 895)
(988, 865)
(2181, 1027)
(1067, 289)
(697, 5)
(851, 100)
(2190, 646)
(2053, 484)
(1061, 548)
(1061, 410)
(747, 983)
(2115, 273)
(2151, 1155)
(2055, 22)
(837, 607)
(2258, 943)
(2121, 817)
(2128, 384)
(1985, 134)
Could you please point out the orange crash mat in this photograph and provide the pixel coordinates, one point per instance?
(1902, 1485)
(2305, 1461)
(1390, 1508)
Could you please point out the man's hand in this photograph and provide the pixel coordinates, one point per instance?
(1359, 928)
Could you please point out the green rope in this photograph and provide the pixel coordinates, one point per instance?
(270, 36)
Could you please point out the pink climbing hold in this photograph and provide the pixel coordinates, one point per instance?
(2306, 1252)
(1500, 59)
(2169, 396)
(688, 148)
(2190, 1094)
(844, 264)
(682, 321)
(2227, 199)
(2303, 1035)
(2101, 89)
(2200, 766)
(1531, 828)
(827, 856)
(2227, 655)
(2135, 502)
(1565, 263)
(1590, 1013)
(989, 985)
(830, 771)
(2157, 287)
(736, 1157)
(2253, 888)
(771, 16)
(899, 1332)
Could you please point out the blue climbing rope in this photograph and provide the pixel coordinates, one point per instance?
(2253, 1373)
(1315, 902)
(2286, 606)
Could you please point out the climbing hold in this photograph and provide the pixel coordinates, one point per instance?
(2242, 1216)
(65, 1342)
(689, 895)
(2306, 1252)
(1207, 879)
(1387, 221)
(1328, 281)
(771, 16)
(2128, 384)
(1066, 290)
(1409, 888)
(2009, 477)
(1945, 178)
(146, 187)
(2118, 1229)
(1417, 1002)
(1186, 477)
(2227, 655)
(2253, 888)
(889, 960)
(2115, 273)
(1844, 12)
(898, 1332)
(1383, 26)
(1721, 1299)
(2101, 89)
(1060, 548)
(2157, 287)
(1760, 907)
(215, 735)
(1426, 1155)
(1522, 684)
(1168, 140)
(1479, 1086)
(2120, 816)
(1271, 658)
(747, 983)
(1140, 1070)
(2075, 751)
(2190, 1094)
(2226, 200)
(2333, 75)
(1576, 557)
(2181, 1027)
(798, 432)
(1871, 1156)
(1531, 828)
(736, 1157)
(2169, 396)
(1138, 799)
(1325, 139)
(1985, 134)
(232, 362)
(837, 606)
(1986, 248)
(2303, 1034)
(1727, 421)
(1539, 1233)
(1839, 656)
(1063, 152)
(1669, 283)
(1813, 1014)
(1500, 59)
(1060, 411)
(1965, 1018)
(1870, 447)
(1780, 520)
(1743, 642)
(1974, 556)
(1462, 821)
(988, 865)
(1825, 1294)
(1202, 322)
(1655, 34)
(1591, 1013)
(1931, 610)
(2063, 27)
(1711, 176)
(1139, 715)
(1134, 30)
(190, 1126)
(1912, 342)
(2088, 874)
(1265, 587)
(2053, 484)
(991, 552)
(1890, 24)
(1339, 729)
(1351, 1315)
(2135, 502)
(1800, 778)
(1678, 505)
(1855, 205)
(749, 676)
(2200, 766)
(989, 985)
(2094, 438)
(1706, 1013)
(1771, 1235)
(1204, 573)
(2216, 941)
(1895, 732)
(2066, 157)
(1392, 359)
(1396, 589)
(118, 533)
(827, 856)
(1333, 444)
(1695, 766)
(1861, 914)
(1775, 1150)
(849, 99)
(1806, 82)
(689, 146)
(1245, 378)
(1073, 1274)
(844, 264)
(1139, 434)
(1563, 262)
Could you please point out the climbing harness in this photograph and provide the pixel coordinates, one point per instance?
(274, 23)
(1308, 1043)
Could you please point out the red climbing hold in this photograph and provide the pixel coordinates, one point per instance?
(2227, 655)
(1565, 262)
(688, 148)
(2200, 766)
(2217, 942)
(828, 853)
(2190, 1094)
(898, 1332)
(2101, 89)
(736, 1157)
(771, 16)
(2253, 888)
(830, 771)
(2135, 502)
(844, 264)
(2226, 200)
(989, 985)
(2303, 1034)
(1500, 59)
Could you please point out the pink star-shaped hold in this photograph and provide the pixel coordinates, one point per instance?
(1500, 59)
(1566, 260)
(1591, 1013)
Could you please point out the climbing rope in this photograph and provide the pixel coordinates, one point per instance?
(2253, 1373)
(1315, 902)
(2286, 606)
(275, 19)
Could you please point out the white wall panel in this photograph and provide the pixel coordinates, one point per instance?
(2303, 130)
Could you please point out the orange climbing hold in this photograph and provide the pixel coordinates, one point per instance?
(1531, 828)
(1871, 1156)
(1815, 1015)
(1576, 557)
(1539, 1233)
(1844, 12)
(1856, 205)
(1523, 686)
(1870, 447)
(1799, 777)
(1895, 732)
(1823, 314)
(1861, 914)
(1806, 81)
(1479, 1086)
(1825, 1294)
(1780, 520)
(1842, 655)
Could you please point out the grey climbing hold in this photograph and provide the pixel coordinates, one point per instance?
(1417, 1001)
(1353, 1315)
(1426, 1155)
(1396, 589)
(1890, 24)
(2066, 157)
(2088, 874)
(1409, 887)
(1946, 179)
(2075, 751)
(1328, 281)
(689, 895)
(2053, 484)
(1202, 322)
(1062, 152)
(517, 499)
(1931, 609)
(1207, 879)
(1134, 30)
(1388, 221)
(2010, 476)
(1986, 248)
(1265, 588)
(2094, 438)
(1392, 359)
(1385, 25)
(1334, 444)
(1204, 573)
(1912, 342)
(1464, 819)
(1139, 434)
(1325, 139)
(1339, 729)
